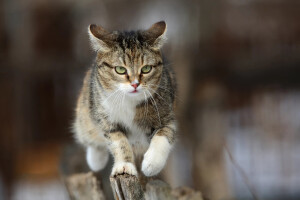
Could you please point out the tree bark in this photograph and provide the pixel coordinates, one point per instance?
(84, 187)
(126, 187)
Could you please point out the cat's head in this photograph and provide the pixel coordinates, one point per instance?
(129, 62)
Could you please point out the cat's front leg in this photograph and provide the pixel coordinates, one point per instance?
(157, 154)
(122, 152)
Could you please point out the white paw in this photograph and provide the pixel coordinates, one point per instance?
(156, 156)
(97, 158)
(124, 168)
(153, 162)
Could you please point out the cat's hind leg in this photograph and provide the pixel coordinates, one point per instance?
(97, 157)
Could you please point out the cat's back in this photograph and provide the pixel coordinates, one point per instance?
(82, 101)
(84, 129)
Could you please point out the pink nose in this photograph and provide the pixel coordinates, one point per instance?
(135, 85)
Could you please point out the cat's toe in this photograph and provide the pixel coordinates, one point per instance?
(151, 169)
(152, 164)
(124, 168)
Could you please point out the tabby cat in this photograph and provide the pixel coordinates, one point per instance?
(126, 105)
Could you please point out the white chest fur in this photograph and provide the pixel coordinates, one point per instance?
(123, 112)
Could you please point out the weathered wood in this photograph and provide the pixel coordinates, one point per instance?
(186, 193)
(84, 187)
(126, 187)
(156, 190)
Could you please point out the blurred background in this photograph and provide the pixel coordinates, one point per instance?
(237, 64)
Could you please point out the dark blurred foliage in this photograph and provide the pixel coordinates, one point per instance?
(237, 63)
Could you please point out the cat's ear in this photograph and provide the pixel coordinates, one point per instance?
(156, 35)
(101, 39)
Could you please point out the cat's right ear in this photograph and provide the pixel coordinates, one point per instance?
(99, 38)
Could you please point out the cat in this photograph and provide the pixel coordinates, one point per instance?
(126, 105)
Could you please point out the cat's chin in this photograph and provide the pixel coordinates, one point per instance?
(134, 94)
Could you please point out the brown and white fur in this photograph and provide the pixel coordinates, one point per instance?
(112, 116)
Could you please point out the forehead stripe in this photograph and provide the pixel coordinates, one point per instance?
(122, 60)
(107, 65)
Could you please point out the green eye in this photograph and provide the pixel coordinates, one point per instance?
(146, 69)
(120, 70)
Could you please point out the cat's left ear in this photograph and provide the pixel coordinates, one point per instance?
(101, 39)
(156, 35)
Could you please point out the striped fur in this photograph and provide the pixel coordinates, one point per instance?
(132, 126)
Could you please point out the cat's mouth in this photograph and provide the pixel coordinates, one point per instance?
(134, 91)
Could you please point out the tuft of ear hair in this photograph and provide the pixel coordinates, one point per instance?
(156, 35)
(100, 38)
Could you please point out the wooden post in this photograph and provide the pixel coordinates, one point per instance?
(126, 187)
(84, 186)
(156, 189)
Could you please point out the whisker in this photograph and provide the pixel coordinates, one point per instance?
(167, 90)
(115, 101)
(119, 101)
(158, 95)
(146, 107)
(123, 99)
(151, 97)
(111, 95)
